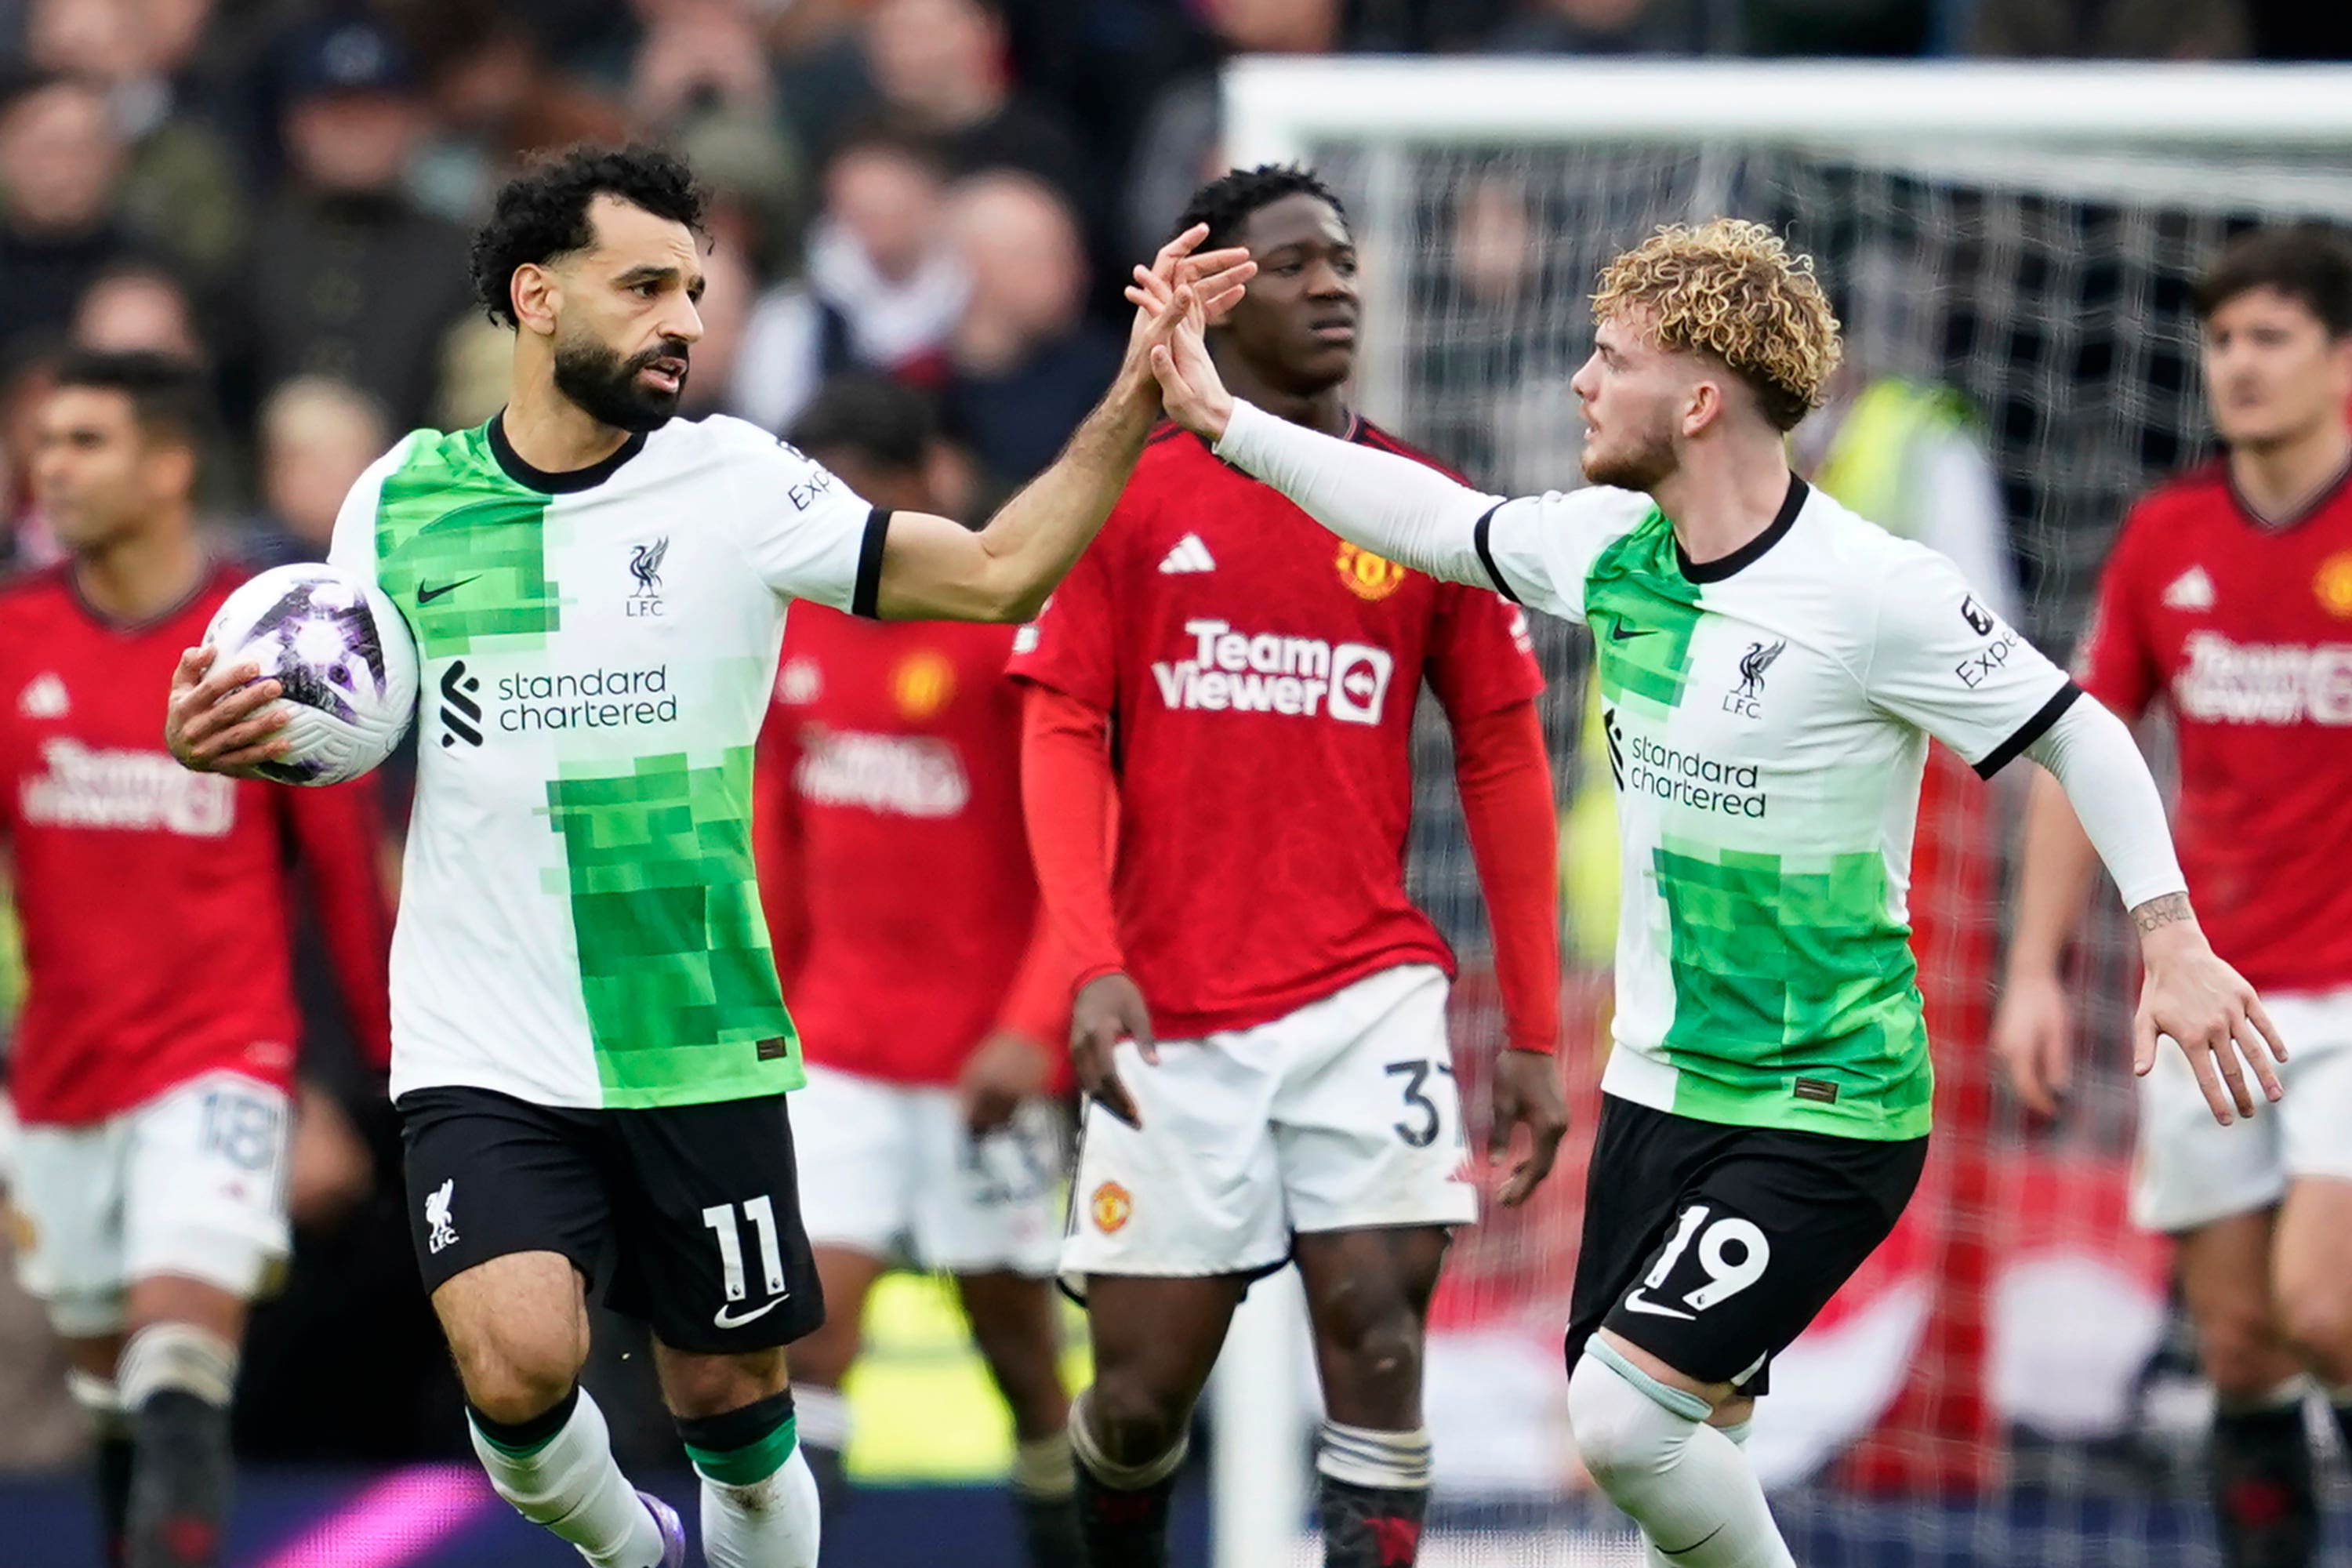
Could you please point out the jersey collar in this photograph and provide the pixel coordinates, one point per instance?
(129, 628)
(2302, 514)
(1747, 554)
(552, 484)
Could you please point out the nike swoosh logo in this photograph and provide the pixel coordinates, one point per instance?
(1619, 631)
(1634, 1303)
(726, 1318)
(426, 596)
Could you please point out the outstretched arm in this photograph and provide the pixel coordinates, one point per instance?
(933, 569)
(1392, 506)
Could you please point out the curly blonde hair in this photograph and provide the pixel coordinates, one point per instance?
(1733, 289)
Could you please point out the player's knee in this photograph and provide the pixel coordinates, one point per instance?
(2241, 1348)
(2316, 1320)
(1373, 1332)
(1623, 1430)
(1383, 1362)
(513, 1379)
(1132, 1423)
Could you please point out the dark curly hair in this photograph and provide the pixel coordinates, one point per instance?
(1226, 203)
(543, 213)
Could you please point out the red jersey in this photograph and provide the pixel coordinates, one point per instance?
(1260, 675)
(2245, 630)
(153, 900)
(893, 862)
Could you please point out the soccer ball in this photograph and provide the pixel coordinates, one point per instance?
(341, 652)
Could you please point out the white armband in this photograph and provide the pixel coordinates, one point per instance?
(2093, 756)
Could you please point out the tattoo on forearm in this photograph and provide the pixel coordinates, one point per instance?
(2170, 910)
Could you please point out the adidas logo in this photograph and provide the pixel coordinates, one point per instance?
(2192, 590)
(1190, 555)
(44, 697)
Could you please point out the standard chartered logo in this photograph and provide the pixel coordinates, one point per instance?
(597, 700)
(1689, 779)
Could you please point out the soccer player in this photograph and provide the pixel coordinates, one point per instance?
(151, 1066)
(1236, 688)
(591, 1053)
(1772, 666)
(2227, 599)
(933, 1019)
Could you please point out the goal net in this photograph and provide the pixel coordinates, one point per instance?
(2012, 251)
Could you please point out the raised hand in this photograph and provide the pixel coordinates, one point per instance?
(1108, 1010)
(1190, 388)
(1218, 277)
(215, 722)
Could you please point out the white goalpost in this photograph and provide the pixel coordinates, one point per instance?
(2005, 1382)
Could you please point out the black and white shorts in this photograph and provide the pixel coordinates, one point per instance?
(687, 1217)
(1712, 1246)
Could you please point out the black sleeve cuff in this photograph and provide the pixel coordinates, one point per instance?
(868, 588)
(1486, 553)
(2032, 729)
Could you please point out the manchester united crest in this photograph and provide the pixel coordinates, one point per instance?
(1367, 575)
(2332, 584)
(1110, 1206)
(921, 685)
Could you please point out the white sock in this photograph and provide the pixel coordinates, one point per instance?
(767, 1523)
(1688, 1487)
(572, 1486)
(1043, 1469)
(1654, 1558)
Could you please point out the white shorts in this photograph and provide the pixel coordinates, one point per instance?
(1342, 1116)
(193, 1184)
(2192, 1171)
(887, 1168)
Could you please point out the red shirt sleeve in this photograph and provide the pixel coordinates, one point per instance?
(338, 836)
(1070, 801)
(2114, 662)
(1069, 647)
(1036, 1006)
(1480, 656)
(1504, 775)
(776, 845)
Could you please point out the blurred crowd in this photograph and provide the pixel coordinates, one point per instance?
(947, 191)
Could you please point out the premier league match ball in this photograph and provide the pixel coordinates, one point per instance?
(342, 654)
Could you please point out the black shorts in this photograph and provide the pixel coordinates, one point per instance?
(1712, 1246)
(685, 1218)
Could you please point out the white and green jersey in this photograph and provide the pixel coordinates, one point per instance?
(579, 924)
(1767, 717)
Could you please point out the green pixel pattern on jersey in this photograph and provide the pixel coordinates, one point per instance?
(450, 525)
(1780, 972)
(674, 963)
(1643, 612)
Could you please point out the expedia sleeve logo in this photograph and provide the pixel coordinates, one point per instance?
(1307, 678)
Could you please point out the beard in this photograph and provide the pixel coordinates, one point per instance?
(606, 388)
(1640, 465)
